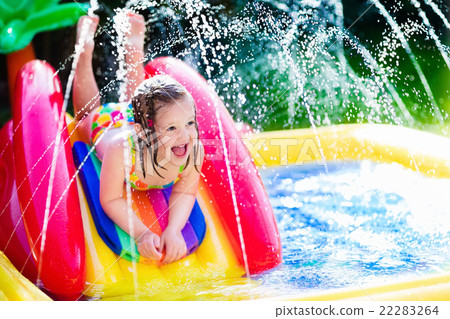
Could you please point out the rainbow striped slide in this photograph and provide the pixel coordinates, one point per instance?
(153, 210)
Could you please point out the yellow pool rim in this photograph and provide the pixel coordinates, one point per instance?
(424, 152)
(14, 286)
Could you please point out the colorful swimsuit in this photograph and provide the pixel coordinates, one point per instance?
(110, 116)
(134, 180)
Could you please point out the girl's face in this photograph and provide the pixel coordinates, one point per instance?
(175, 128)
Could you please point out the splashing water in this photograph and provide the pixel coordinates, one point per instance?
(122, 26)
(438, 12)
(294, 76)
(94, 7)
(363, 223)
(408, 50)
(193, 10)
(432, 32)
(250, 62)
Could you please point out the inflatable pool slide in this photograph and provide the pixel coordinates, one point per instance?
(105, 267)
(55, 232)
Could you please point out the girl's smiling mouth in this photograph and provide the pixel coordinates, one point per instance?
(180, 151)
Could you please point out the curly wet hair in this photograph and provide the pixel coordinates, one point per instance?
(152, 95)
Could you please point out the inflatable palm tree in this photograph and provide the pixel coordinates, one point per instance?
(20, 20)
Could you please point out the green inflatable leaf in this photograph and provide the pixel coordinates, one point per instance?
(20, 20)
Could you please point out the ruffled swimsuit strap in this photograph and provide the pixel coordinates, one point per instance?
(171, 183)
(179, 174)
(133, 179)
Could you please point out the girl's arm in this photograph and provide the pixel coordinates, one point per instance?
(181, 202)
(115, 205)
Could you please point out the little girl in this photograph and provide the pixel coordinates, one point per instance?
(163, 141)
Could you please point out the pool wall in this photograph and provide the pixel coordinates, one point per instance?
(426, 153)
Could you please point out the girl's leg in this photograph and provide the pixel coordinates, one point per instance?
(86, 95)
(135, 53)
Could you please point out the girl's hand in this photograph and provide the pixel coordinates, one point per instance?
(174, 243)
(148, 245)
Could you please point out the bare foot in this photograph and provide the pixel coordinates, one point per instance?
(86, 95)
(135, 52)
(86, 28)
(136, 34)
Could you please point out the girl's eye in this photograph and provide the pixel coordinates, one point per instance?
(171, 128)
(190, 123)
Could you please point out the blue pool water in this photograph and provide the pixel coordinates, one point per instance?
(361, 223)
(357, 225)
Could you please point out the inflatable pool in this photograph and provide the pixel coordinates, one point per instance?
(348, 143)
(419, 151)
(86, 261)
(14, 286)
(73, 250)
